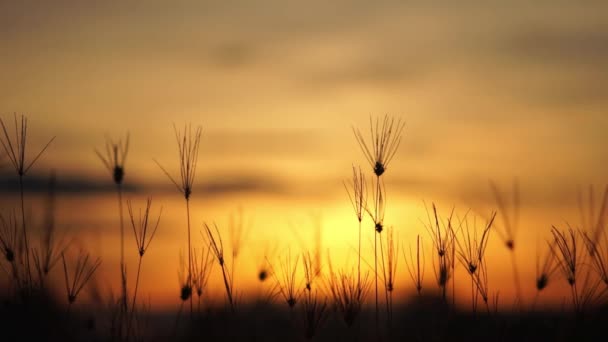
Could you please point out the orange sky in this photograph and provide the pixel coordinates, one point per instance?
(488, 90)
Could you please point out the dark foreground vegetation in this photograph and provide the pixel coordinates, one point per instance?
(307, 298)
(423, 319)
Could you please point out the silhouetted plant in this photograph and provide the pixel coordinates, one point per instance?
(9, 236)
(202, 271)
(593, 226)
(357, 194)
(544, 271)
(510, 225)
(83, 270)
(15, 148)
(385, 137)
(187, 145)
(416, 265)
(314, 312)
(443, 237)
(143, 237)
(114, 161)
(389, 271)
(286, 278)
(217, 246)
(266, 259)
(347, 294)
(471, 251)
(309, 272)
(567, 254)
(51, 247)
(238, 231)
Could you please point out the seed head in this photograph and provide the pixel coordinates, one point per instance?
(119, 174)
(9, 254)
(571, 281)
(263, 275)
(188, 145)
(115, 157)
(541, 282)
(385, 139)
(379, 169)
(379, 227)
(186, 292)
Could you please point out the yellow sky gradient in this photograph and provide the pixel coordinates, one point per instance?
(488, 90)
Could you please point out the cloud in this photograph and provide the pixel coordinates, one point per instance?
(242, 184)
(70, 184)
(73, 185)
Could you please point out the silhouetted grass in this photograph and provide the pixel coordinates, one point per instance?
(313, 302)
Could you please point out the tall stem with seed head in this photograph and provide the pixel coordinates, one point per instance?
(188, 145)
(15, 150)
(385, 136)
(510, 230)
(114, 160)
(143, 238)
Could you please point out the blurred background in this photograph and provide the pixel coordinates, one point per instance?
(488, 90)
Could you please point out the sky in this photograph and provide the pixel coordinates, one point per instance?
(488, 90)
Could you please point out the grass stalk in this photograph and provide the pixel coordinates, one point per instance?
(189, 253)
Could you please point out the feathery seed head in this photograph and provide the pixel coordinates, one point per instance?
(141, 226)
(385, 136)
(188, 145)
(15, 147)
(378, 227)
(115, 157)
(119, 174)
(185, 293)
(379, 169)
(541, 282)
(83, 271)
(9, 254)
(263, 275)
(472, 267)
(510, 216)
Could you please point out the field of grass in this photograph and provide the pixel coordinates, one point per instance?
(308, 298)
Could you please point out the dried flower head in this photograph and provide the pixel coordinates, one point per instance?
(286, 278)
(347, 294)
(471, 248)
(510, 219)
(9, 236)
(544, 272)
(187, 144)
(385, 136)
(115, 157)
(566, 253)
(141, 226)
(15, 148)
(185, 280)
(82, 273)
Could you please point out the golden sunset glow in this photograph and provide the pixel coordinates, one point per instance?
(489, 93)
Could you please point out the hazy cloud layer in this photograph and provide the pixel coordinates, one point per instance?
(489, 89)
